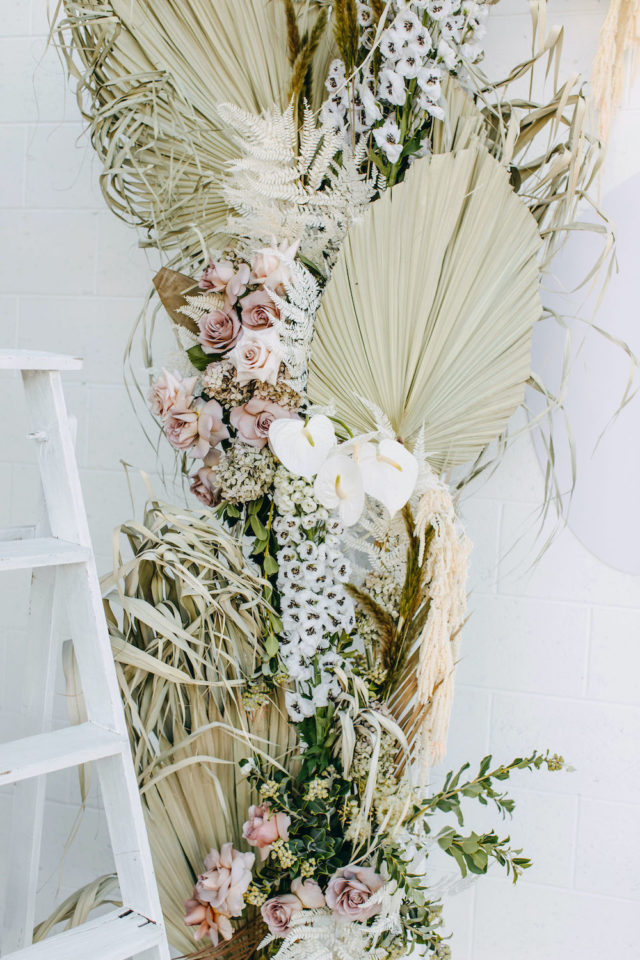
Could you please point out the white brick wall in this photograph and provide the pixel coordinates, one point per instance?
(551, 655)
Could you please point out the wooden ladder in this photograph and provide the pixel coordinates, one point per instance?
(59, 553)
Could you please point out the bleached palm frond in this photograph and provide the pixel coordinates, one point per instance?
(148, 74)
(186, 619)
(429, 310)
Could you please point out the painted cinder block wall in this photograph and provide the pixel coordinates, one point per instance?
(551, 654)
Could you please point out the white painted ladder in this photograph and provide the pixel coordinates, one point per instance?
(58, 551)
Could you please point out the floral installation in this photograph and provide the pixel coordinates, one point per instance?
(353, 325)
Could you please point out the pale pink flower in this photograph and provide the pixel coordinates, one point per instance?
(171, 390)
(272, 265)
(204, 486)
(258, 310)
(308, 893)
(257, 356)
(208, 921)
(349, 891)
(219, 331)
(253, 419)
(227, 877)
(263, 828)
(278, 911)
(196, 429)
(221, 277)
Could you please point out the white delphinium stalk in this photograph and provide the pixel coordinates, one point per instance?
(421, 41)
(315, 605)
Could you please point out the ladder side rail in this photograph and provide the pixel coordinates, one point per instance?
(27, 815)
(79, 585)
(56, 456)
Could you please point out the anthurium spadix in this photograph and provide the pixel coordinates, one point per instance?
(389, 471)
(339, 486)
(302, 447)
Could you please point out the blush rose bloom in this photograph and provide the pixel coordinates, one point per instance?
(219, 331)
(208, 921)
(272, 266)
(258, 311)
(222, 278)
(349, 890)
(264, 827)
(227, 877)
(170, 390)
(257, 356)
(308, 893)
(278, 912)
(253, 419)
(204, 485)
(197, 429)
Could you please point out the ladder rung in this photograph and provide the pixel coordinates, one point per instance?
(114, 936)
(37, 360)
(56, 750)
(40, 552)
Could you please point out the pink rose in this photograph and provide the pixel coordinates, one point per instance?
(258, 311)
(222, 278)
(308, 893)
(264, 827)
(278, 911)
(171, 390)
(253, 419)
(219, 331)
(257, 356)
(208, 921)
(181, 428)
(197, 429)
(272, 266)
(204, 486)
(227, 877)
(349, 891)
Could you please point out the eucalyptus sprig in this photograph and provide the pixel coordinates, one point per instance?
(482, 787)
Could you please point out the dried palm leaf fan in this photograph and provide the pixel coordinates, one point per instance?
(148, 77)
(429, 310)
(187, 622)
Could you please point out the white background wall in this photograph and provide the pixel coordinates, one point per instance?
(551, 656)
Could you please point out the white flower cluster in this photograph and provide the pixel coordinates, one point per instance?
(314, 602)
(425, 40)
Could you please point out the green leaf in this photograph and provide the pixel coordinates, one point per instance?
(458, 857)
(272, 645)
(270, 565)
(258, 528)
(199, 358)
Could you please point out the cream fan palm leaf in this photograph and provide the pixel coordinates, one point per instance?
(429, 310)
(149, 75)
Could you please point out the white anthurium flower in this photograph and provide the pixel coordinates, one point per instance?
(389, 472)
(303, 447)
(339, 486)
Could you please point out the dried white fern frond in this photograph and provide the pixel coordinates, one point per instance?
(317, 935)
(287, 182)
(198, 306)
(295, 324)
